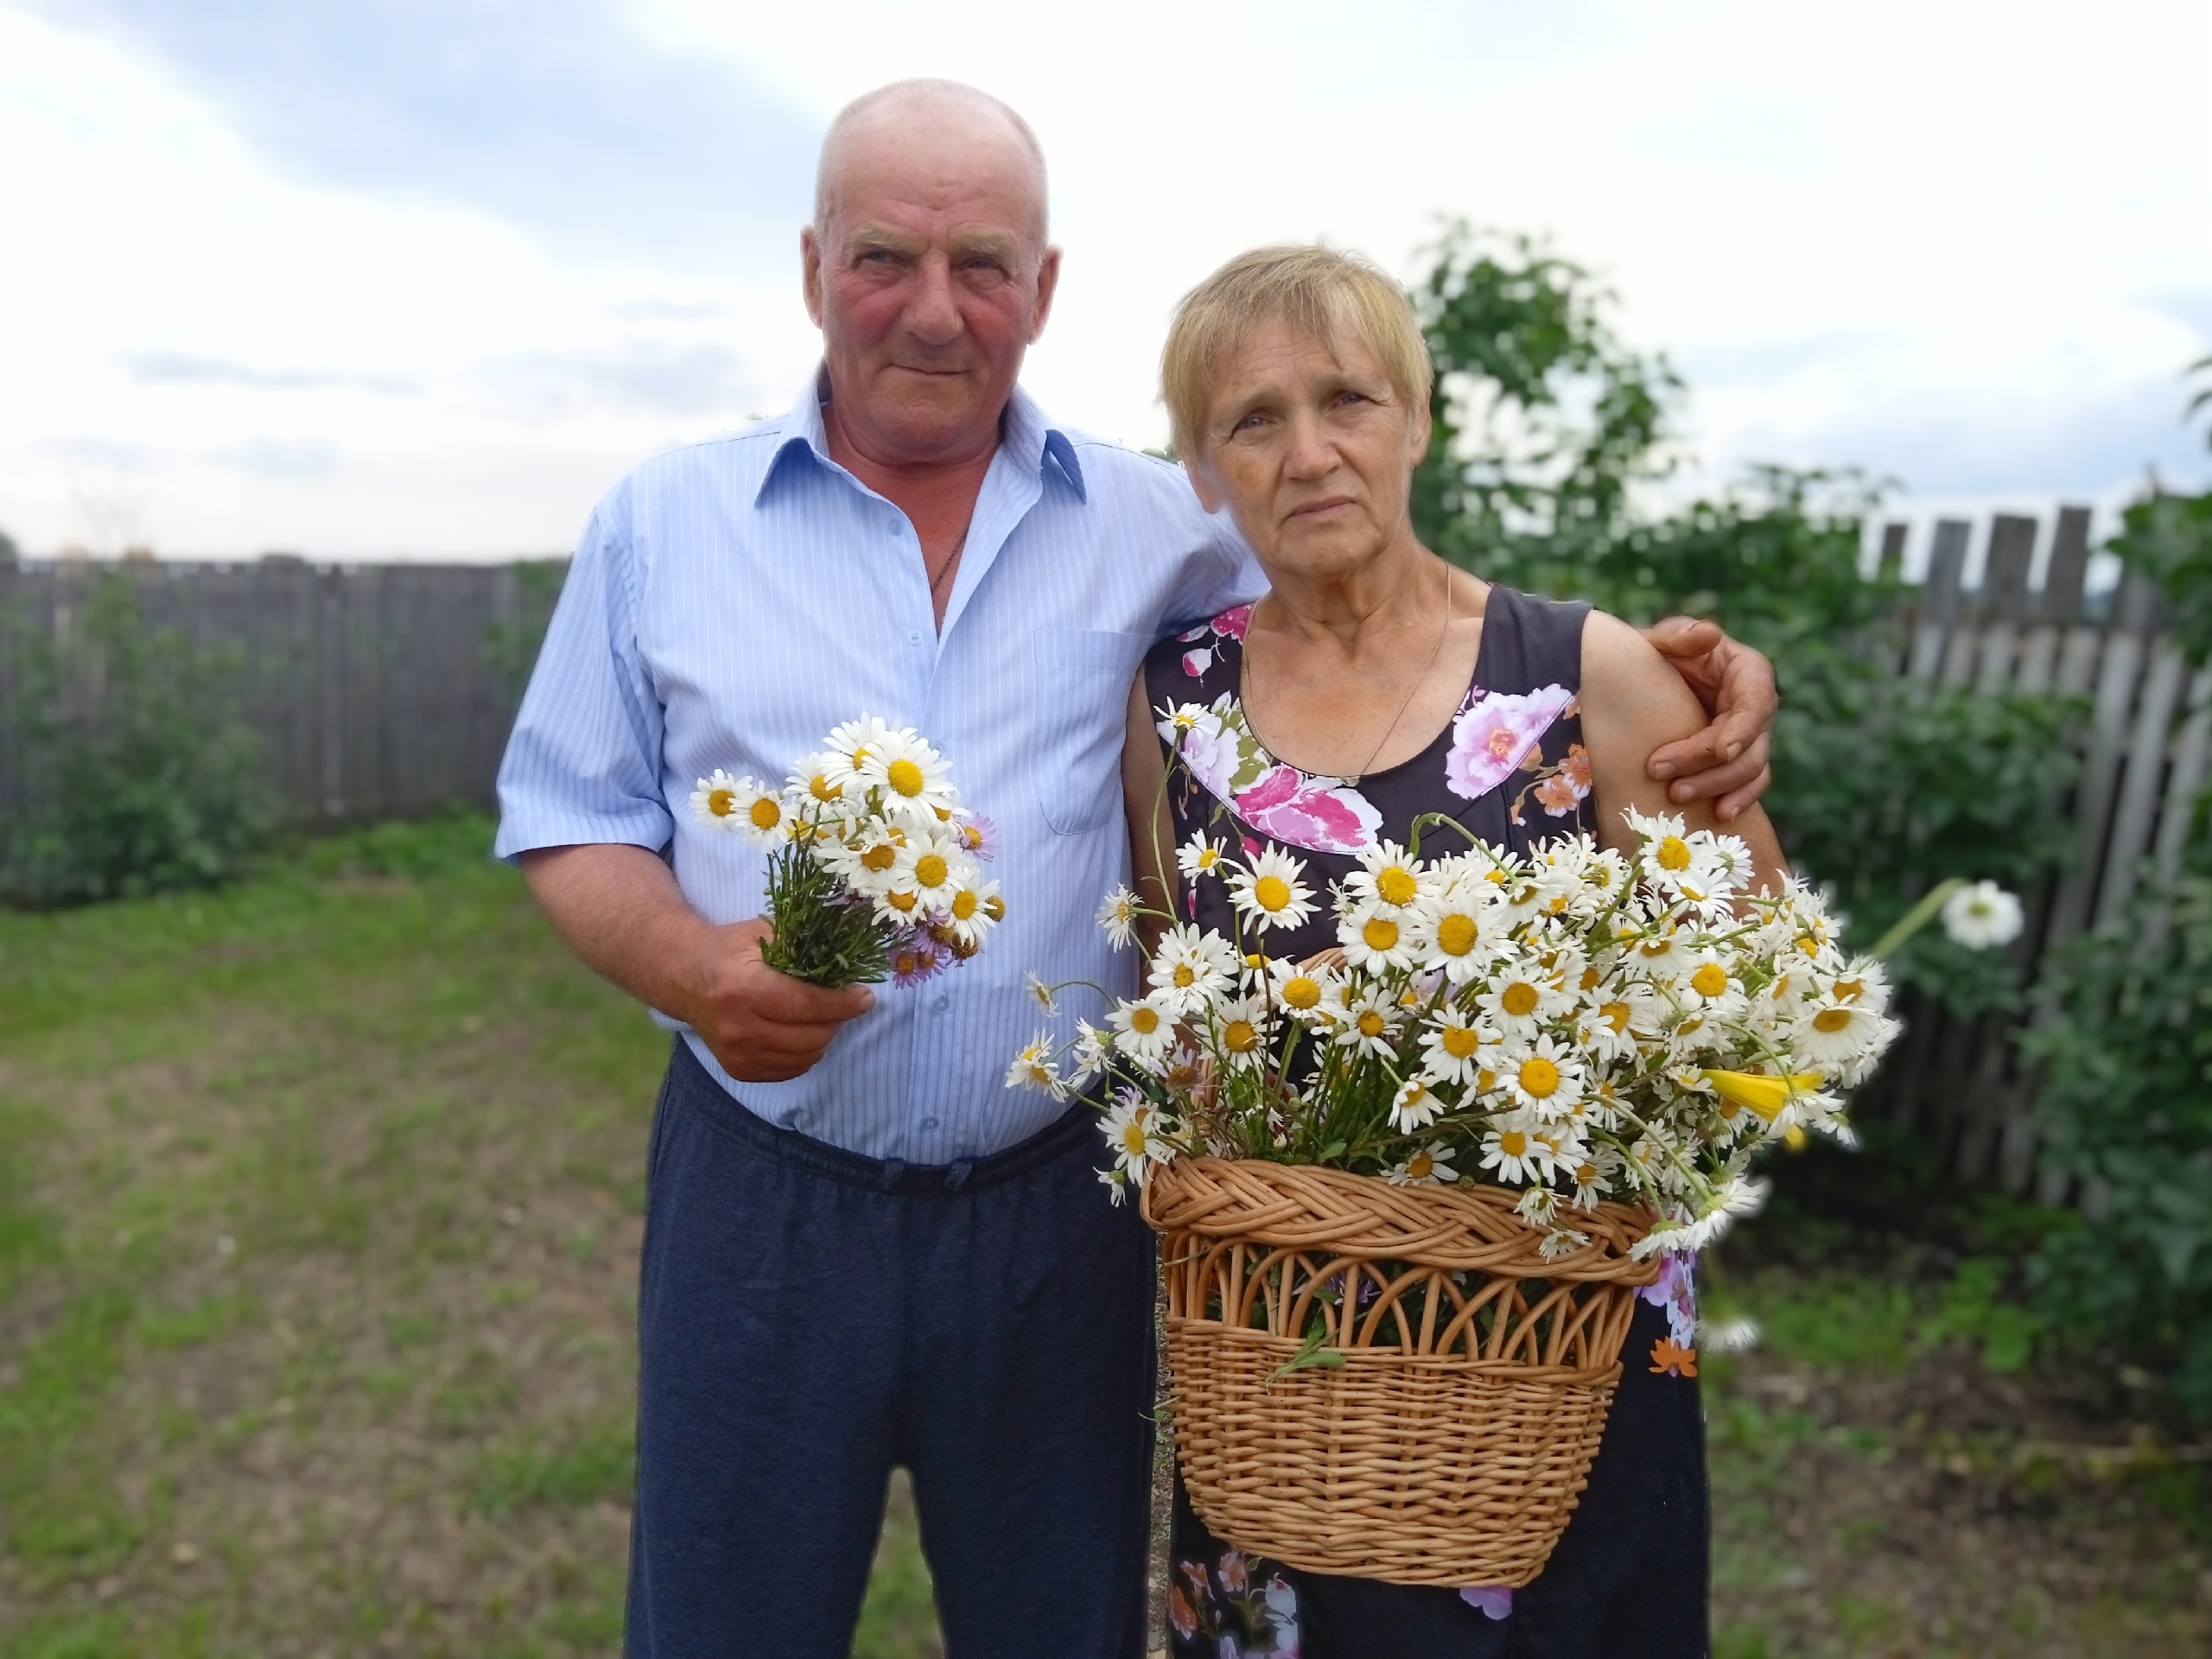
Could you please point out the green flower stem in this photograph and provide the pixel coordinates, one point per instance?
(1917, 918)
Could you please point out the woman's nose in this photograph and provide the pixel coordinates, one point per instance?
(1310, 453)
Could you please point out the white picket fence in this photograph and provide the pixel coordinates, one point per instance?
(1961, 1085)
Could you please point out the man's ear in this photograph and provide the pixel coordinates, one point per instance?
(810, 265)
(1048, 283)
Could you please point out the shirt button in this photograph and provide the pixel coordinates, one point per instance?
(942, 1003)
(893, 527)
(929, 1125)
(913, 636)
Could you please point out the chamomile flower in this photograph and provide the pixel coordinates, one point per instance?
(1271, 892)
(1045, 996)
(761, 815)
(1241, 1029)
(1832, 1033)
(916, 783)
(1133, 1129)
(1451, 1048)
(1522, 997)
(1144, 1030)
(1544, 1077)
(1982, 916)
(1117, 915)
(1416, 1106)
(1369, 1025)
(1457, 931)
(1375, 936)
(1201, 855)
(1512, 1150)
(1387, 879)
(1306, 993)
(1088, 1054)
(1424, 1167)
(1191, 968)
(716, 800)
(973, 908)
(1034, 1068)
(932, 867)
(821, 779)
(852, 746)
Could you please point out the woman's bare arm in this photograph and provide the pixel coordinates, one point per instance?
(1633, 703)
(1152, 831)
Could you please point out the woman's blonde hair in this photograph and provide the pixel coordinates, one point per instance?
(1314, 290)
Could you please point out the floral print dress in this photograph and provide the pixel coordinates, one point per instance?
(1630, 1574)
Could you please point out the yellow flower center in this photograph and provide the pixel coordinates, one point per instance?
(1143, 1020)
(1255, 961)
(1615, 1015)
(1381, 933)
(881, 857)
(1371, 1023)
(1459, 1041)
(904, 776)
(1592, 979)
(765, 813)
(823, 789)
(1831, 1021)
(1421, 1165)
(1300, 992)
(1539, 1076)
(1850, 990)
(901, 901)
(1184, 977)
(1394, 885)
(1455, 935)
(963, 905)
(1240, 1036)
(1585, 1174)
(1513, 1144)
(1133, 1138)
(1710, 980)
(721, 801)
(1518, 999)
(1485, 1080)
(1674, 853)
(1658, 947)
(1271, 892)
(995, 907)
(931, 869)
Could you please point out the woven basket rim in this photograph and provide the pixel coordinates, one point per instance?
(1342, 1215)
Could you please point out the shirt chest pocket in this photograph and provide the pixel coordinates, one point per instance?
(1080, 694)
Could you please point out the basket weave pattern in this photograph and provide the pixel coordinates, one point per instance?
(1451, 1445)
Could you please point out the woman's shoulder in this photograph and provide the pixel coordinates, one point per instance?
(1530, 641)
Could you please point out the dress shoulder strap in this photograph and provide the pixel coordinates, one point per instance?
(1529, 642)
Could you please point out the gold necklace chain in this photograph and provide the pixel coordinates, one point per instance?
(1404, 702)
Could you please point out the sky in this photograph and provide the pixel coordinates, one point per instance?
(423, 278)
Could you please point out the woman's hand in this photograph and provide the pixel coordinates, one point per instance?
(1735, 683)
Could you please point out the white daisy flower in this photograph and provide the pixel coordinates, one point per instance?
(1457, 931)
(1132, 1126)
(1089, 1054)
(1034, 1067)
(1387, 879)
(1982, 916)
(1864, 981)
(1416, 1106)
(1515, 1154)
(1199, 856)
(1241, 1029)
(1191, 968)
(916, 783)
(1143, 1030)
(1368, 1027)
(1308, 994)
(1117, 915)
(1272, 890)
(762, 815)
(1041, 993)
(1172, 722)
(974, 908)
(1451, 1048)
(1831, 1034)
(852, 746)
(716, 801)
(1375, 936)
(1116, 1182)
(821, 779)
(1424, 1167)
(1545, 1077)
(1522, 997)
(932, 867)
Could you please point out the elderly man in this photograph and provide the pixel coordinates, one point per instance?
(861, 1250)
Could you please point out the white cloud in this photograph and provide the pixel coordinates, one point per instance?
(1963, 244)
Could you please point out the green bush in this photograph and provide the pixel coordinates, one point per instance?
(143, 779)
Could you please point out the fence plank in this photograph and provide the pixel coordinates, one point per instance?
(2136, 814)
(1940, 603)
(2192, 757)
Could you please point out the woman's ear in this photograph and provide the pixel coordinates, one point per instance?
(1417, 436)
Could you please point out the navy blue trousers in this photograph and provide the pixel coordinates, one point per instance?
(808, 1317)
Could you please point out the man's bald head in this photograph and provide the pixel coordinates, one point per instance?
(945, 115)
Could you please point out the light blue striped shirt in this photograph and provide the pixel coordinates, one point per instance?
(732, 601)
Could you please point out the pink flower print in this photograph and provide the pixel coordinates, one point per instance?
(1233, 1579)
(1309, 812)
(1676, 1290)
(1496, 732)
(1195, 663)
(1209, 749)
(1231, 623)
(1569, 787)
(1179, 1614)
(1495, 1599)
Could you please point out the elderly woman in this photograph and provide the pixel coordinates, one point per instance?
(1373, 685)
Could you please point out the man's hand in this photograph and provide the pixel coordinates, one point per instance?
(764, 1026)
(621, 909)
(1728, 759)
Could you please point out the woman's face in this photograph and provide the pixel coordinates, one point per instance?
(1312, 449)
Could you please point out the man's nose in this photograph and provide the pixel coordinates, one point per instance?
(933, 314)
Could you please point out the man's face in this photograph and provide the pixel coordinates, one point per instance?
(928, 278)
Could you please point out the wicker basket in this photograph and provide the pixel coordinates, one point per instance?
(1451, 1444)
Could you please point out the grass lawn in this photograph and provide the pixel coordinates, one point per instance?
(320, 1207)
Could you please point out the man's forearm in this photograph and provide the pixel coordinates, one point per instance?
(619, 909)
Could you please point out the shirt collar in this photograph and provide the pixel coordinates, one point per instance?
(1026, 437)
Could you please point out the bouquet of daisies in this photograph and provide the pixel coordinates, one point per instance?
(874, 871)
(1579, 1025)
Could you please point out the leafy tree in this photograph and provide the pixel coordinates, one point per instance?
(149, 781)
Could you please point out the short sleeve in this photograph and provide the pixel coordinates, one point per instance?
(1223, 576)
(583, 764)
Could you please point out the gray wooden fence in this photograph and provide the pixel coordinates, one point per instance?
(382, 690)
(379, 690)
(1961, 1085)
